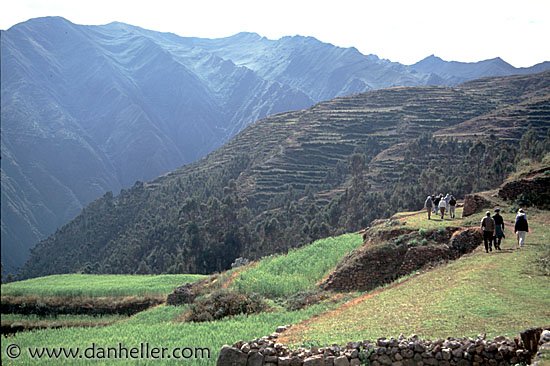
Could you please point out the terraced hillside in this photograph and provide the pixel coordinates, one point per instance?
(299, 148)
(506, 122)
(298, 176)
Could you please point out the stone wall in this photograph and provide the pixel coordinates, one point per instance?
(401, 351)
(372, 266)
(537, 187)
(474, 203)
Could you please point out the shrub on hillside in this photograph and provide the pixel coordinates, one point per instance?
(304, 299)
(223, 303)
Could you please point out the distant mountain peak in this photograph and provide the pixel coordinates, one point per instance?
(499, 61)
(247, 36)
(49, 20)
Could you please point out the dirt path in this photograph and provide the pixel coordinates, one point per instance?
(290, 335)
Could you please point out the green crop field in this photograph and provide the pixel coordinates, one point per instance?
(157, 328)
(299, 270)
(72, 285)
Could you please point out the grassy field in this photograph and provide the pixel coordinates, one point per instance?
(299, 270)
(72, 285)
(157, 328)
(500, 293)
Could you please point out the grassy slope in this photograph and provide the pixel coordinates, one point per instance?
(299, 270)
(497, 293)
(97, 285)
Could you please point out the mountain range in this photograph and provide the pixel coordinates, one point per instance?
(91, 109)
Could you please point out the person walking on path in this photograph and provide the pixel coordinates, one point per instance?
(442, 207)
(452, 204)
(447, 199)
(436, 203)
(521, 227)
(429, 206)
(488, 227)
(499, 228)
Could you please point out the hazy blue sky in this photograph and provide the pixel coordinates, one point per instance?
(400, 30)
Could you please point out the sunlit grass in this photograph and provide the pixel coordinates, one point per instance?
(299, 270)
(500, 293)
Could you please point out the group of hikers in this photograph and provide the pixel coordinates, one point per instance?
(493, 229)
(440, 204)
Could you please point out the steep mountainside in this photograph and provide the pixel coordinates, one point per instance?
(294, 177)
(104, 106)
(86, 110)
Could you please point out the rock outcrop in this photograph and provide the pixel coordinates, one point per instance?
(474, 203)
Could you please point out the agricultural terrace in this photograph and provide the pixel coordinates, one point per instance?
(72, 285)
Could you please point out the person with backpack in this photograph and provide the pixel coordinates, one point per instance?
(488, 227)
(499, 228)
(452, 205)
(521, 227)
(428, 204)
(436, 203)
(442, 206)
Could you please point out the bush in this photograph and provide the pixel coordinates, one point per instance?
(399, 240)
(413, 242)
(303, 299)
(223, 303)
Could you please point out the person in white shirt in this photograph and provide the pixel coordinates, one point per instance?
(442, 207)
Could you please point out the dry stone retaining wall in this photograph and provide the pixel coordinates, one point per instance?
(539, 187)
(411, 351)
(370, 267)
